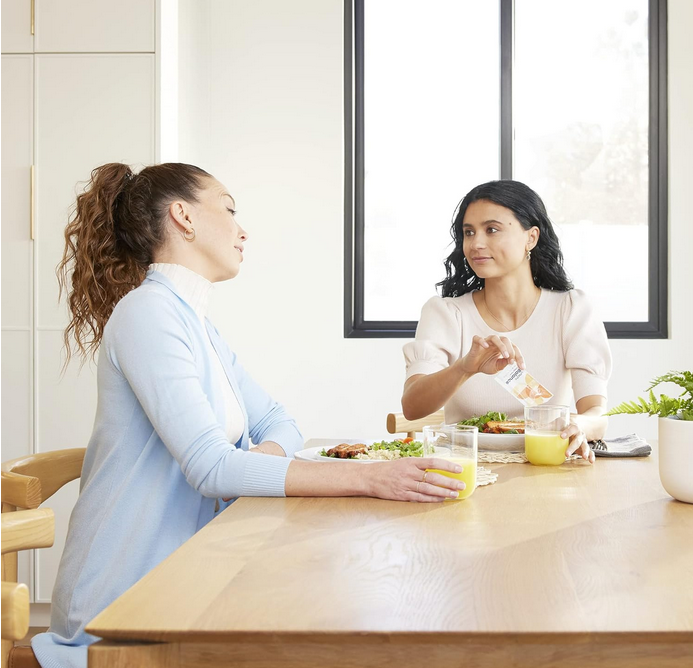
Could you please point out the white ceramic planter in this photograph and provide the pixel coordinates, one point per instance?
(676, 458)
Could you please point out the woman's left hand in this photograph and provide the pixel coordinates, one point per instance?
(578, 444)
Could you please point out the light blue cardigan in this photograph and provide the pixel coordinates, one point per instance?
(158, 459)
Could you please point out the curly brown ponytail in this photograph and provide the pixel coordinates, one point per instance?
(118, 223)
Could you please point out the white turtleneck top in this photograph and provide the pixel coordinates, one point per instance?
(195, 290)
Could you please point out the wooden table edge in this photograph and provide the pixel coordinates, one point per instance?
(403, 637)
(626, 650)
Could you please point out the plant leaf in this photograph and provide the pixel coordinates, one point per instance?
(683, 379)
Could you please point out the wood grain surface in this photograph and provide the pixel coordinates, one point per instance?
(21, 491)
(15, 610)
(27, 529)
(574, 555)
(53, 469)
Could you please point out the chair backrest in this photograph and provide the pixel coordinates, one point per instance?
(52, 469)
(26, 483)
(22, 530)
(397, 423)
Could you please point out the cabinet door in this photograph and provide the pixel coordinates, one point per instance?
(16, 27)
(65, 405)
(95, 26)
(90, 109)
(17, 304)
(17, 157)
(17, 414)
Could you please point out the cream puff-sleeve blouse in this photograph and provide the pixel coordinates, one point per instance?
(564, 344)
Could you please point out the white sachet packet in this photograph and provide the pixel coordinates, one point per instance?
(524, 387)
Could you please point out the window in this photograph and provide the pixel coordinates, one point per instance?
(445, 95)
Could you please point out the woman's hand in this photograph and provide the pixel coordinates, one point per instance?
(407, 480)
(490, 355)
(426, 393)
(578, 443)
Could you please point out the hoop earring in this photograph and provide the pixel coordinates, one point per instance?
(189, 235)
(529, 254)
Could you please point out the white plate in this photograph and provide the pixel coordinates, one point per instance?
(313, 454)
(501, 442)
(486, 442)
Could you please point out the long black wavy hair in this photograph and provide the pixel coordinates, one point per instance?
(547, 260)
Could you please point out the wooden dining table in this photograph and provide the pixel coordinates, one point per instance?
(571, 565)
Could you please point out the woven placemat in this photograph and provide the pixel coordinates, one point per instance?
(501, 457)
(508, 457)
(485, 477)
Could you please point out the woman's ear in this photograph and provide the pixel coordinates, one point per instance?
(533, 238)
(178, 212)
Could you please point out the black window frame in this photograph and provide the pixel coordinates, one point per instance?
(656, 327)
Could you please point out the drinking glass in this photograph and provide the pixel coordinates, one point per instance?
(543, 426)
(459, 445)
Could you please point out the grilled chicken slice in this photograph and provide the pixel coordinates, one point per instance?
(346, 451)
(503, 427)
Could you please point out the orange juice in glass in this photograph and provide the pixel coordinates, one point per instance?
(543, 426)
(459, 445)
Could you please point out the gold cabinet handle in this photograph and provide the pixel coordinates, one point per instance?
(31, 203)
(33, 15)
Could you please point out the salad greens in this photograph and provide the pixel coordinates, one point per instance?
(406, 447)
(480, 420)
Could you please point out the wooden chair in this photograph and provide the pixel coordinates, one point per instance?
(397, 423)
(26, 483)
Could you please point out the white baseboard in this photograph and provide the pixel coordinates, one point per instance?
(40, 614)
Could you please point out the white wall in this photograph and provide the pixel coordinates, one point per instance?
(261, 107)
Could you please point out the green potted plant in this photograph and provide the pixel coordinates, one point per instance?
(675, 431)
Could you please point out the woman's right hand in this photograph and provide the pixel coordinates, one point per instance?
(490, 355)
(407, 480)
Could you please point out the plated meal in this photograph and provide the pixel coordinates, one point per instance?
(498, 433)
(364, 452)
(379, 450)
(496, 423)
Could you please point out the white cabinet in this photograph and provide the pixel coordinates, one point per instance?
(78, 26)
(80, 124)
(95, 26)
(65, 113)
(17, 263)
(90, 109)
(16, 27)
(17, 158)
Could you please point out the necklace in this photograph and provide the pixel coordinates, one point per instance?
(505, 327)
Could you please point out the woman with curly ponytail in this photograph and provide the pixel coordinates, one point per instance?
(506, 299)
(111, 240)
(176, 412)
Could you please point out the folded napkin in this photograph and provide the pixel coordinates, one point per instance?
(623, 446)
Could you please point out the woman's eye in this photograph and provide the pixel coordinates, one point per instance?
(468, 233)
(231, 211)
(492, 229)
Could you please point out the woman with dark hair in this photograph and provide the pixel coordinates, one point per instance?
(176, 411)
(506, 291)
